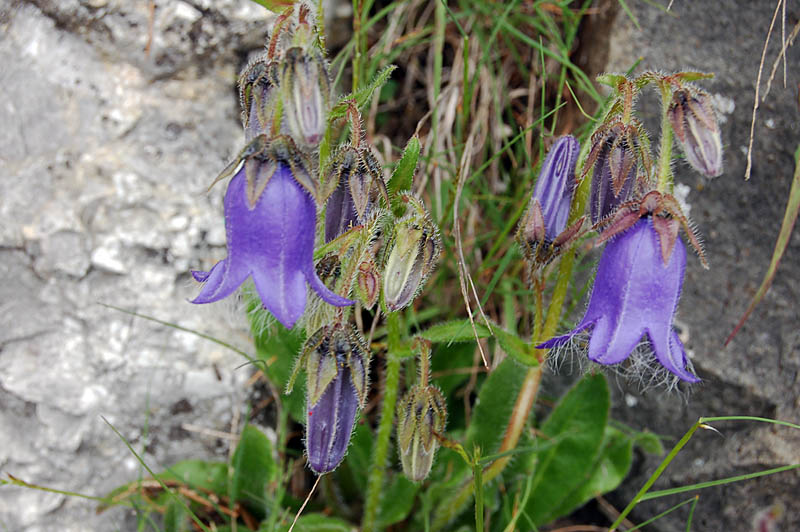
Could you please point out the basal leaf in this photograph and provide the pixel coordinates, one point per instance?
(610, 468)
(396, 501)
(278, 349)
(253, 468)
(494, 406)
(454, 331)
(578, 422)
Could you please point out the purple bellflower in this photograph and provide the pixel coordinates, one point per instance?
(337, 368)
(556, 184)
(270, 239)
(635, 293)
(543, 230)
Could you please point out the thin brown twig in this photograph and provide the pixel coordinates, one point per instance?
(758, 86)
(786, 44)
(463, 272)
(305, 502)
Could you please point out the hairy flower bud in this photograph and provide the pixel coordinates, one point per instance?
(615, 170)
(421, 414)
(306, 97)
(368, 282)
(340, 213)
(337, 367)
(257, 95)
(695, 126)
(414, 252)
(548, 211)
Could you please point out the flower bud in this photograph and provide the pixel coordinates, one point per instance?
(306, 97)
(257, 94)
(548, 210)
(337, 363)
(695, 126)
(421, 414)
(340, 214)
(414, 252)
(615, 171)
(359, 179)
(368, 282)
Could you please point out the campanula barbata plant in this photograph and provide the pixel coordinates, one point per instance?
(359, 251)
(331, 240)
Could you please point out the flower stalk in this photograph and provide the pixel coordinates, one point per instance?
(380, 452)
(664, 168)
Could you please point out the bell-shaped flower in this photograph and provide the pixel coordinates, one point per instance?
(270, 222)
(635, 293)
(337, 369)
(695, 126)
(543, 229)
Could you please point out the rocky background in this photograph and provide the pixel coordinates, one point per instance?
(758, 374)
(114, 119)
(110, 136)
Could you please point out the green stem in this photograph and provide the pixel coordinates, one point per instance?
(381, 449)
(357, 39)
(647, 485)
(530, 386)
(665, 152)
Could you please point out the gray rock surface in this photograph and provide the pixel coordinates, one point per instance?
(758, 374)
(106, 154)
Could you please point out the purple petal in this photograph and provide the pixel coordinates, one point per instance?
(327, 295)
(221, 281)
(330, 423)
(674, 358)
(286, 303)
(635, 293)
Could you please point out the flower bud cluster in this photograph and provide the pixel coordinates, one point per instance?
(278, 182)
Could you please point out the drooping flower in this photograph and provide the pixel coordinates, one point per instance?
(337, 367)
(543, 229)
(635, 294)
(695, 126)
(270, 236)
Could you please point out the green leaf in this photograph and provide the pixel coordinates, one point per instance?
(176, 519)
(454, 331)
(494, 406)
(276, 6)
(610, 468)
(319, 523)
(649, 443)
(199, 475)
(362, 95)
(253, 468)
(396, 501)
(515, 347)
(278, 348)
(578, 421)
(403, 175)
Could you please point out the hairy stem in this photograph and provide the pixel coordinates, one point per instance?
(381, 450)
(665, 150)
